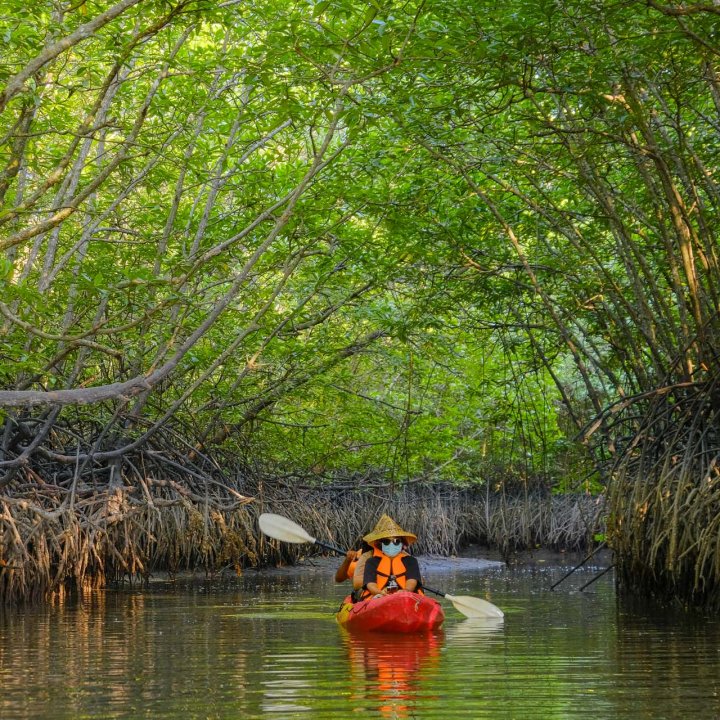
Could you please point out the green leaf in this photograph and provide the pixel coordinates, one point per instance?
(370, 13)
(321, 7)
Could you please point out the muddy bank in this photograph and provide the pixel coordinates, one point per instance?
(467, 561)
(471, 559)
(537, 557)
(428, 563)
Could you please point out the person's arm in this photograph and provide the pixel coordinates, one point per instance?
(412, 573)
(342, 572)
(359, 575)
(374, 590)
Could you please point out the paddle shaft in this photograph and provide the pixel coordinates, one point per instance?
(330, 546)
(433, 591)
(469, 606)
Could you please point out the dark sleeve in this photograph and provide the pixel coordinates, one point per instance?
(412, 568)
(370, 574)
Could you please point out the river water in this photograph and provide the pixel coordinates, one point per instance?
(266, 645)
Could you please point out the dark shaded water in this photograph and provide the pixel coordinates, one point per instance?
(267, 646)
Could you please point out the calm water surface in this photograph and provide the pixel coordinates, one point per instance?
(267, 646)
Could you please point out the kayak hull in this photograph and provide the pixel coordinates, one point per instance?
(400, 612)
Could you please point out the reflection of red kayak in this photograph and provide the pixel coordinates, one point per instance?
(384, 669)
(402, 612)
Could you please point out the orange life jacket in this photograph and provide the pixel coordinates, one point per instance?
(353, 565)
(389, 566)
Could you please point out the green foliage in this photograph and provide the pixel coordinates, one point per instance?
(423, 239)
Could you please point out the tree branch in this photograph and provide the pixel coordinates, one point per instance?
(16, 83)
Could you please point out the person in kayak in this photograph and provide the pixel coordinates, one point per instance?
(353, 565)
(358, 577)
(390, 568)
(349, 563)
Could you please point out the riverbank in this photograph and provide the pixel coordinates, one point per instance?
(472, 559)
(467, 561)
(68, 538)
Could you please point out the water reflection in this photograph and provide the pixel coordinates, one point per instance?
(385, 667)
(288, 683)
(268, 646)
(472, 631)
(679, 650)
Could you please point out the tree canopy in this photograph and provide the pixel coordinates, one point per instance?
(430, 239)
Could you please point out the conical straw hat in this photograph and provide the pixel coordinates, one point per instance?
(386, 528)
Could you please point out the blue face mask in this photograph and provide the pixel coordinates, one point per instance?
(391, 549)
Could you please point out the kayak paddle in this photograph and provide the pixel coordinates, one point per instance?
(469, 606)
(281, 528)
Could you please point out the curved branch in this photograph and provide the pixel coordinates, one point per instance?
(28, 327)
(16, 83)
(682, 10)
(79, 396)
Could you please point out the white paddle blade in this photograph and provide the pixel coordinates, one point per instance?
(280, 528)
(474, 607)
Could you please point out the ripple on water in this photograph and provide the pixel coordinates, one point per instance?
(270, 648)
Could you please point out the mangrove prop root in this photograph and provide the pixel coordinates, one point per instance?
(664, 496)
(59, 536)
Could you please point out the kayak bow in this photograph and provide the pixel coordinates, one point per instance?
(401, 612)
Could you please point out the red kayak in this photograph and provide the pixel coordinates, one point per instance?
(400, 612)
